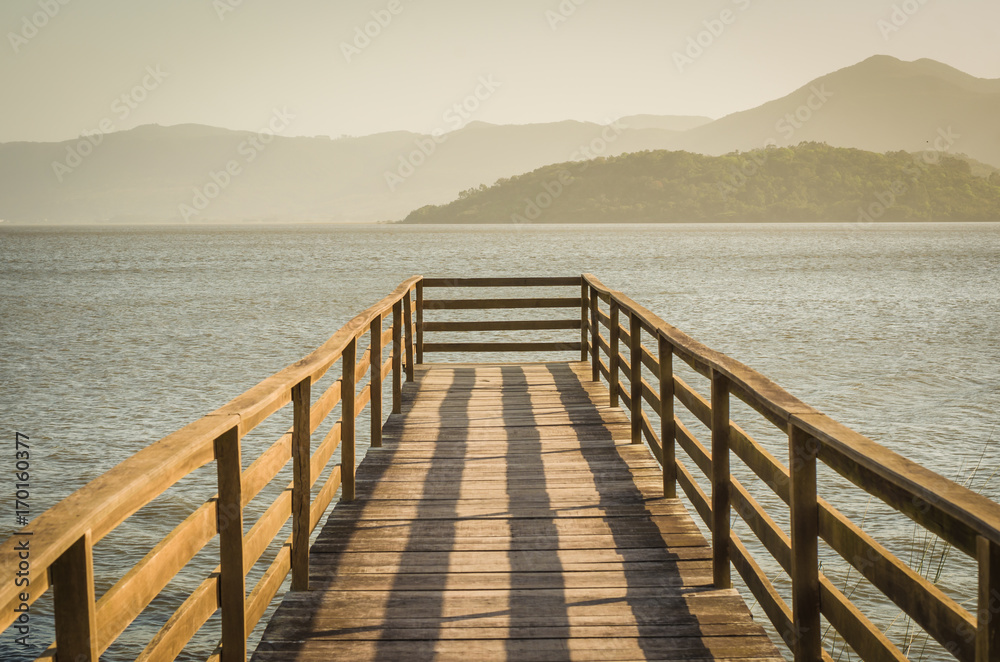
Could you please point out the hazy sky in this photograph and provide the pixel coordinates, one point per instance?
(231, 63)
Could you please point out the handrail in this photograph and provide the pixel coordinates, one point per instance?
(62, 538)
(966, 520)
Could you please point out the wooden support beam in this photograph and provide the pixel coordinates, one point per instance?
(376, 382)
(583, 320)
(635, 378)
(420, 321)
(721, 573)
(349, 416)
(408, 330)
(613, 382)
(806, 636)
(595, 331)
(72, 577)
(397, 357)
(301, 483)
(232, 583)
(668, 431)
(988, 626)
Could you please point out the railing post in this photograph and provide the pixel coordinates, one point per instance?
(232, 583)
(583, 319)
(635, 376)
(988, 626)
(721, 573)
(349, 415)
(376, 382)
(668, 430)
(72, 576)
(301, 482)
(420, 321)
(595, 332)
(613, 359)
(806, 635)
(408, 334)
(397, 357)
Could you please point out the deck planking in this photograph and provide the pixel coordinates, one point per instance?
(508, 517)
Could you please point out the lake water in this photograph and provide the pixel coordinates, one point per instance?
(114, 337)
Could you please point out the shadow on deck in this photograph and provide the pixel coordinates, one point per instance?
(508, 517)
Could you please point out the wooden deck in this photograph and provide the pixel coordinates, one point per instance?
(508, 517)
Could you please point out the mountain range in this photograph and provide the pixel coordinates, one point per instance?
(204, 174)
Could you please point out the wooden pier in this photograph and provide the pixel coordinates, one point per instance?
(509, 517)
(505, 511)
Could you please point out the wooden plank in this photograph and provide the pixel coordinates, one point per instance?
(545, 281)
(504, 325)
(494, 304)
(988, 626)
(614, 354)
(408, 333)
(668, 428)
(525, 517)
(397, 358)
(584, 322)
(635, 381)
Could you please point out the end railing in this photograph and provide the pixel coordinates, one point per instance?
(962, 518)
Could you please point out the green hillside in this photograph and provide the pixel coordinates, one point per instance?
(809, 182)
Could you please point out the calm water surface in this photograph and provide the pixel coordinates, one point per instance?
(114, 337)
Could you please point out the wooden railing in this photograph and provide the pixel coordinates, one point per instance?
(962, 518)
(62, 539)
(536, 303)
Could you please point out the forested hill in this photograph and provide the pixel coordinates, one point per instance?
(808, 182)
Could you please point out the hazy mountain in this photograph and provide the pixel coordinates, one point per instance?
(808, 182)
(155, 173)
(881, 104)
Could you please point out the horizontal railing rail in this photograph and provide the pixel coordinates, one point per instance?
(961, 517)
(63, 538)
(532, 303)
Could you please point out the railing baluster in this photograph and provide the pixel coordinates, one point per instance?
(721, 573)
(635, 377)
(806, 637)
(408, 334)
(232, 583)
(420, 322)
(72, 576)
(397, 357)
(301, 483)
(613, 359)
(988, 626)
(668, 430)
(348, 391)
(595, 331)
(583, 320)
(376, 382)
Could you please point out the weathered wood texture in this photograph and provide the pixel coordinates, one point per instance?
(508, 517)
